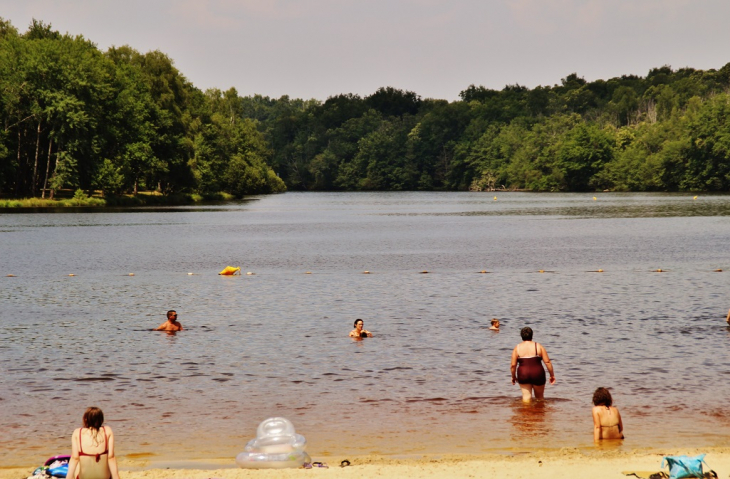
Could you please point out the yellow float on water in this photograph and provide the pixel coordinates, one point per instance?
(230, 271)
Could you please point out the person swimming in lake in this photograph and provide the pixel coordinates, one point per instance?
(92, 449)
(526, 367)
(495, 324)
(359, 332)
(171, 324)
(606, 418)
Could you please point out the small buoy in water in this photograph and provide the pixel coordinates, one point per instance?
(694, 198)
(424, 272)
(230, 271)
(495, 198)
(594, 198)
(249, 273)
(366, 272)
(10, 276)
(72, 274)
(718, 270)
(131, 274)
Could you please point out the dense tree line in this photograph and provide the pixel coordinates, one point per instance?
(668, 131)
(119, 121)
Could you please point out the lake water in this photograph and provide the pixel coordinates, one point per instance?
(433, 380)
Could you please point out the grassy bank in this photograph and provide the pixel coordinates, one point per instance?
(141, 199)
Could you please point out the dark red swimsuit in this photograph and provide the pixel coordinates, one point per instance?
(530, 370)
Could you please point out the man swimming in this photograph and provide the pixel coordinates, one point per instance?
(171, 324)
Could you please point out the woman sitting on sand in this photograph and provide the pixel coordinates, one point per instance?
(92, 449)
(527, 368)
(358, 332)
(606, 418)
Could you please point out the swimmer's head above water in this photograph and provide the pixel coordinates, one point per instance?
(526, 334)
(495, 324)
(602, 397)
(359, 332)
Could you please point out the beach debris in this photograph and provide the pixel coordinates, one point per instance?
(484, 271)
(307, 272)
(345, 463)
(10, 276)
(190, 274)
(230, 271)
(277, 446)
(366, 272)
(424, 272)
(130, 274)
(659, 270)
(71, 274)
(718, 270)
(249, 273)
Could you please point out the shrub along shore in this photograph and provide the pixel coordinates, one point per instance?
(80, 199)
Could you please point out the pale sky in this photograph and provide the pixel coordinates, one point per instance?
(436, 48)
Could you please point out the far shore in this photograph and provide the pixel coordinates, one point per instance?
(597, 463)
(79, 199)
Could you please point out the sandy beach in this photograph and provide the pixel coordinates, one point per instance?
(566, 462)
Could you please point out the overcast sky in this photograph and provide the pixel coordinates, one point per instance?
(437, 48)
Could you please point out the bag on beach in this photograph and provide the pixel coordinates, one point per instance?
(685, 466)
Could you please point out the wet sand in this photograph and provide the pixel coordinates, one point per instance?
(596, 463)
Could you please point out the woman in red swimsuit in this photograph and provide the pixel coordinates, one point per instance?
(527, 369)
(92, 449)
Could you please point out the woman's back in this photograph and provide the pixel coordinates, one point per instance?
(93, 452)
(609, 420)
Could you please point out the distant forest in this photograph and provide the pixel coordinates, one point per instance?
(120, 122)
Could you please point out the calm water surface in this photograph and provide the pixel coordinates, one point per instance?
(433, 380)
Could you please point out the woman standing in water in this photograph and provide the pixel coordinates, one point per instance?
(92, 449)
(358, 332)
(606, 418)
(527, 369)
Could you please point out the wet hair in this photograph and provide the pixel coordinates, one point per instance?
(354, 325)
(169, 313)
(93, 418)
(526, 334)
(602, 397)
(494, 321)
